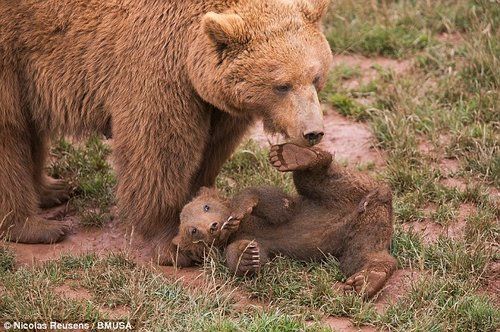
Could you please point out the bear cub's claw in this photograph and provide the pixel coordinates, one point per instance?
(232, 224)
(249, 262)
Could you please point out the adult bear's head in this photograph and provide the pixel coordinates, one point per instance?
(265, 58)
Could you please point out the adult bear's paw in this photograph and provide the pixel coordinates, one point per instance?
(37, 230)
(53, 192)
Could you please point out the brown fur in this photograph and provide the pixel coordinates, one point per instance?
(337, 212)
(178, 82)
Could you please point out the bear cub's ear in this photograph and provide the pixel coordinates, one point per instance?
(225, 29)
(176, 241)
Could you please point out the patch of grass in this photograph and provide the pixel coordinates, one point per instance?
(477, 145)
(250, 166)
(355, 27)
(118, 287)
(444, 214)
(442, 304)
(297, 288)
(457, 258)
(347, 106)
(90, 176)
(407, 247)
(345, 72)
(6, 260)
(483, 224)
(407, 208)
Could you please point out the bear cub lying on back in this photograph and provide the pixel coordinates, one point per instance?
(336, 212)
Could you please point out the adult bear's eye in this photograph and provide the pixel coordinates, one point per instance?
(283, 89)
(206, 208)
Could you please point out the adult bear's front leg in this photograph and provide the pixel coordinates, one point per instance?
(226, 132)
(156, 156)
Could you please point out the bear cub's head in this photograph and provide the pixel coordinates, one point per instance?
(201, 220)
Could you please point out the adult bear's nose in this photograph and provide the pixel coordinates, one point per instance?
(313, 137)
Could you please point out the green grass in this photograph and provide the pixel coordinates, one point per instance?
(6, 260)
(90, 176)
(438, 304)
(250, 166)
(304, 290)
(151, 301)
(347, 106)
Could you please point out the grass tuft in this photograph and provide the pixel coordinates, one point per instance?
(90, 176)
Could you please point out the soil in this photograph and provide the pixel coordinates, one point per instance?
(397, 285)
(341, 324)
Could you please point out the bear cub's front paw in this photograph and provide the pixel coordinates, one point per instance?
(249, 260)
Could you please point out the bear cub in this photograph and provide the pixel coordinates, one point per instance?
(336, 212)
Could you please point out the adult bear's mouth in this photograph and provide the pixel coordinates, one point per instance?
(275, 139)
(277, 135)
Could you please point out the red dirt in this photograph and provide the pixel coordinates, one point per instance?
(112, 237)
(449, 166)
(341, 324)
(492, 281)
(397, 286)
(72, 292)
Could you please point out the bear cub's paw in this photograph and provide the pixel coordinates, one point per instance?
(366, 282)
(290, 157)
(249, 260)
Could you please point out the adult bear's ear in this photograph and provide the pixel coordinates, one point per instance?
(225, 29)
(314, 10)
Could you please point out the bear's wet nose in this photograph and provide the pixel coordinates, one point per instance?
(314, 137)
(213, 227)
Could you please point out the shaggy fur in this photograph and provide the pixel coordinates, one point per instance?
(178, 82)
(337, 212)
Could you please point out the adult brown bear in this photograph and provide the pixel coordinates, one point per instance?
(180, 81)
